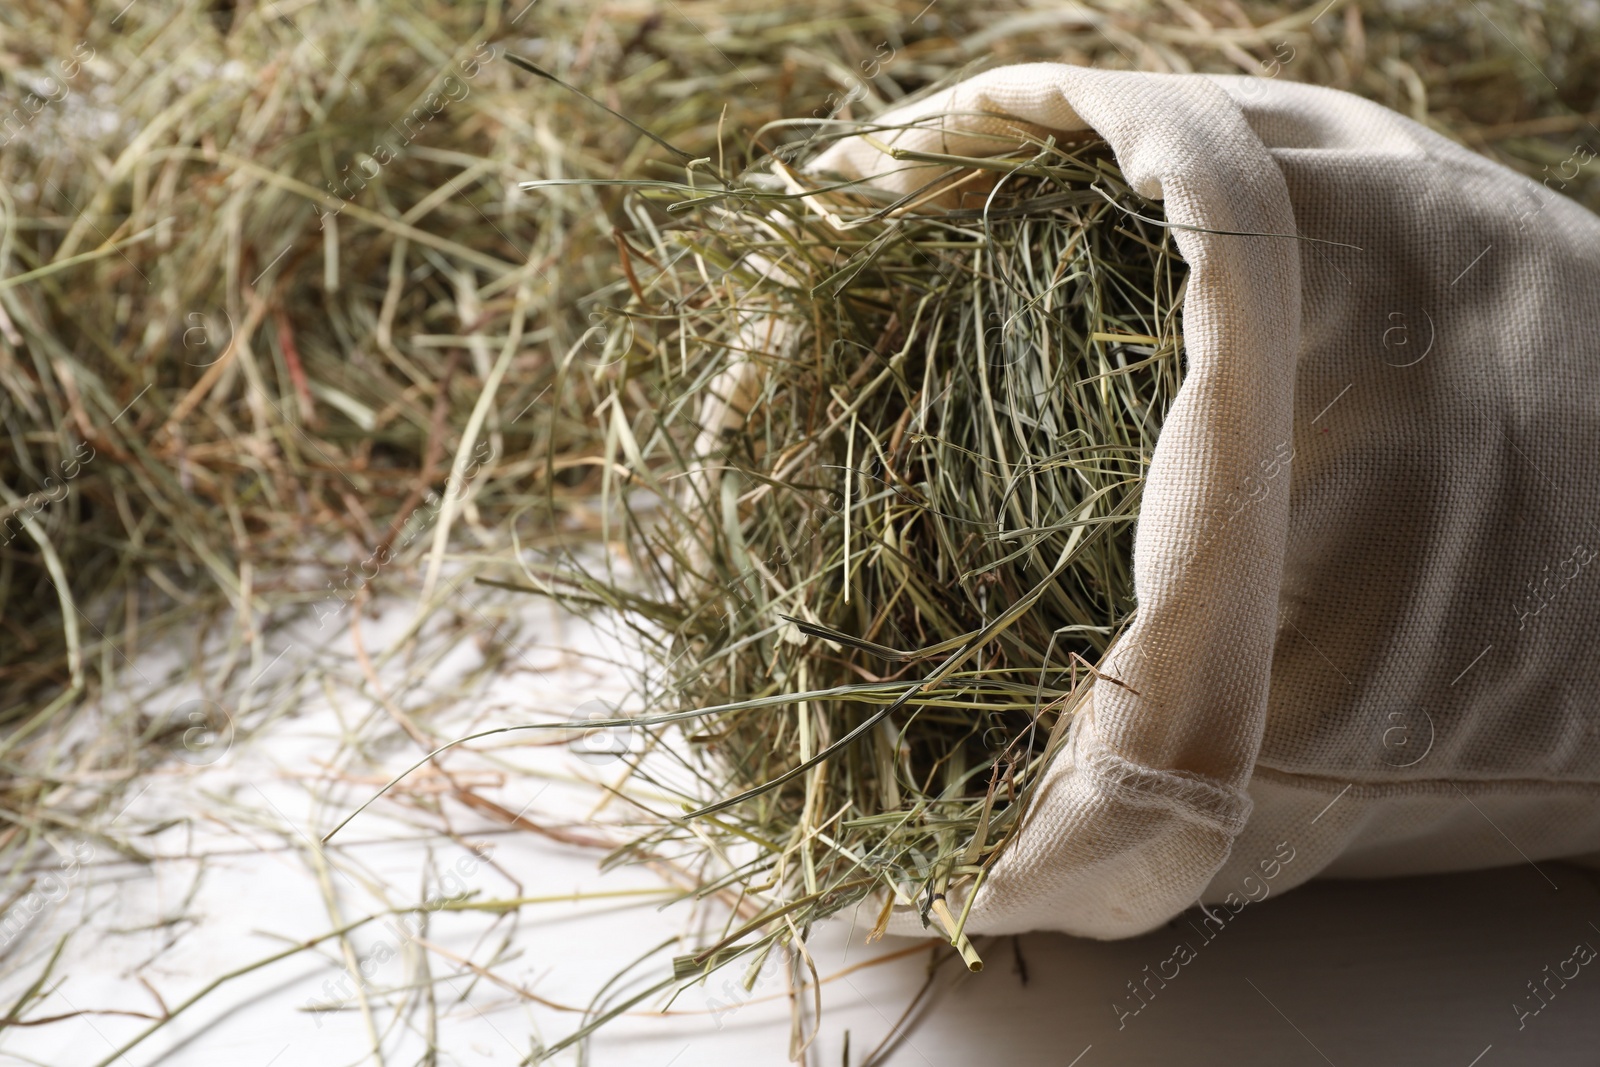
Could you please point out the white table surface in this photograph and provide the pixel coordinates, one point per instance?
(1409, 972)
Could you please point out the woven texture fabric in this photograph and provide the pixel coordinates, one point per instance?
(1367, 604)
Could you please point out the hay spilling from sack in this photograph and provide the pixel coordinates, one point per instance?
(880, 495)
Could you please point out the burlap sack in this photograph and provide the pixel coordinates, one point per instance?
(1365, 641)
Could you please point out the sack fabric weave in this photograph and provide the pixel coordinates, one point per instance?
(1366, 634)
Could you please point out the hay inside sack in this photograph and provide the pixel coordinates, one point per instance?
(893, 461)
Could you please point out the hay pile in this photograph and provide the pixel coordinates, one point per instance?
(274, 321)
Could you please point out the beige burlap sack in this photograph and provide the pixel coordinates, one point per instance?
(1365, 641)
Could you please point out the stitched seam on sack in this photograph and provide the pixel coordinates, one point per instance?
(1189, 795)
(1421, 786)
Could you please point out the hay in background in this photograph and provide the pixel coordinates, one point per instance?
(260, 272)
(277, 331)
